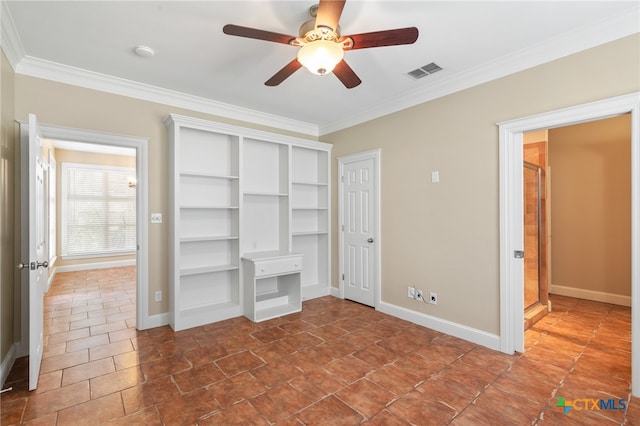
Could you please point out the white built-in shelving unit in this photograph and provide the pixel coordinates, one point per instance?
(241, 197)
(310, 215)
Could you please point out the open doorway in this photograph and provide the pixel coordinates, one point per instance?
(511, 217)
(586, 207)
(139, 183)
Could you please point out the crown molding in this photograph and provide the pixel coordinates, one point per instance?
(583, 38)
(40, 68)
(9, 39)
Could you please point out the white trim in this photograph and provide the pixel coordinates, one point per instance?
(336, 291)
(7, 362)
(511, 226)
(470, 334)
(98, 255)
(141, 146)
(52, 276)
(596, 296)
(40, 68)
(96, 265)
(9, 39)
(157, 320)
(374, 155)
(244, 132)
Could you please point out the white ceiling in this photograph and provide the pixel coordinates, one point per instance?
(90, 43)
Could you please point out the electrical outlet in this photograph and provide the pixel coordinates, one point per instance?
(433, 298)
(159, 296)
(156, 217)
(411, 292)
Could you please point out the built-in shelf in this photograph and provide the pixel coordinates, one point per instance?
(298, 234)
(205, 238)
(208, 207)
(309, 208)
(206, 308)
(239, 198)
(207, 269)
(207, 175)
(268, 194)
(309, 183)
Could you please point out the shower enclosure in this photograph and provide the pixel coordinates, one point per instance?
(535, 259)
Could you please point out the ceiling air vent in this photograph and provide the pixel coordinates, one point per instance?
(425, 70)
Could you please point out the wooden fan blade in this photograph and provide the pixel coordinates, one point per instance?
(284, 73)
(384, 38)
(236, 30)
(329, 12)
(346, 75)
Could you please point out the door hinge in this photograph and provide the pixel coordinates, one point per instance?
(342, 178)
(342, 277)
(342, 226)
(518, 254)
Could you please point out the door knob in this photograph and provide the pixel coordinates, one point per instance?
(33, 265)
(370, 240)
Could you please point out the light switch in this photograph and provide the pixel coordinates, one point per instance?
(435, 176)
(156, 217)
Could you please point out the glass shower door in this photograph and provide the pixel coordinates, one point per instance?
(532, 226)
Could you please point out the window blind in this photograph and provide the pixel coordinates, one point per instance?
(98, 210)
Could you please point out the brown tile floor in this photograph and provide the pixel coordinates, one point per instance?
(336, 362)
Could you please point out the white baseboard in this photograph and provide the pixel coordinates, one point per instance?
(7, 363)
(335, 292)
(51, 278)
(491, 341)
(97, 265)
(596, 296)
(314, 291)
(158, 320)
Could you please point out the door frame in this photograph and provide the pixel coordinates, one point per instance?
(47, 131)
(374, 155)
(511, 219)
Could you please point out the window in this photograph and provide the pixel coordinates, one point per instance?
(98, 210)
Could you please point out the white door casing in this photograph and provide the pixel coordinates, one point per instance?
(143, 319)
(359, 247)
(511, 218)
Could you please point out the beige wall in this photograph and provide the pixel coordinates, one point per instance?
(66, 156)
(444, 237)
(591, 205)
(7, 205)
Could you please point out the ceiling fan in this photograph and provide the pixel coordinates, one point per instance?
(321, 45)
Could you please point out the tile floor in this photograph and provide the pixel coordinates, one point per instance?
(336, 362)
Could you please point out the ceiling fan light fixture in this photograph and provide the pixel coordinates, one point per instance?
(320, 56)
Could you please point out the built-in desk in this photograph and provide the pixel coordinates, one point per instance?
(271, 284)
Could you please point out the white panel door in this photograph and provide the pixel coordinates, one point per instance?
(359, 239)
(38, 255)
